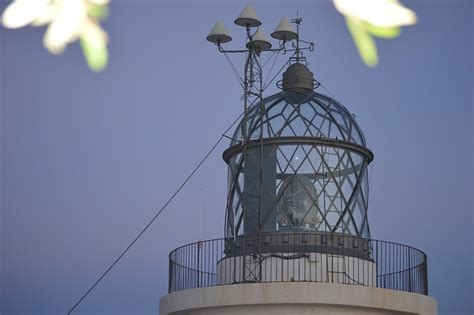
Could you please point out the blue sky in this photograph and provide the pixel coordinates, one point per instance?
(88, 158)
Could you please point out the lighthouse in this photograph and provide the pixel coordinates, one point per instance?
(296, 233)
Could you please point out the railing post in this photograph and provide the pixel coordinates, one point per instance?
(425, 275)
(409, 270)
(198, 263)
(170, 274)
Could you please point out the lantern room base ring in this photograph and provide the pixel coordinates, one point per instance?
(227, 155)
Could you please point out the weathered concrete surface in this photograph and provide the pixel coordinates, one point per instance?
(296, 298)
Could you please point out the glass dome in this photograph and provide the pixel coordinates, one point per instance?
(298, 165)
(301, 113)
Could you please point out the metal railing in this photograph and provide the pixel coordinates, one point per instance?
(309, 257)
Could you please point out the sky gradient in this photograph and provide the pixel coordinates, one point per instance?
(87, 159)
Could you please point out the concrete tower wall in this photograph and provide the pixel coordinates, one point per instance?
(297, 298)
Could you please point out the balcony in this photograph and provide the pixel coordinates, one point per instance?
(298, 257)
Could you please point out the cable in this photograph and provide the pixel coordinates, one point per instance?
(155, 217)
(279, 71)
(234, 70)
(274, 77)
(269, 58)
(271, 68)
(327, 90)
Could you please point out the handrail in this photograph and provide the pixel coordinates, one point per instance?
(315, 257)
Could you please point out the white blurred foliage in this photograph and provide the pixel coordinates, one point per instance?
(367, 19)
(384, 13)
(67, 21)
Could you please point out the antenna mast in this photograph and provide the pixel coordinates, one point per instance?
(256, 44)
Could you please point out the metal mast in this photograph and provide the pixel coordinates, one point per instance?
(253, 88)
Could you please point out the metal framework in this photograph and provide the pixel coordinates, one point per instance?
(314, 175)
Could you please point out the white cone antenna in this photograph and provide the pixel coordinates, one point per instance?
(259, 41)
(284, 31)
(219, 34)
(248, 18)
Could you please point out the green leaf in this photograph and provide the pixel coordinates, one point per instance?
(363, 40)
(97, 11)
(95, 52)
(383, 32)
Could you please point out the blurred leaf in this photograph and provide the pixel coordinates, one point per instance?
(363, 40)
(383, 32)
(95, 52)
(97, 11)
